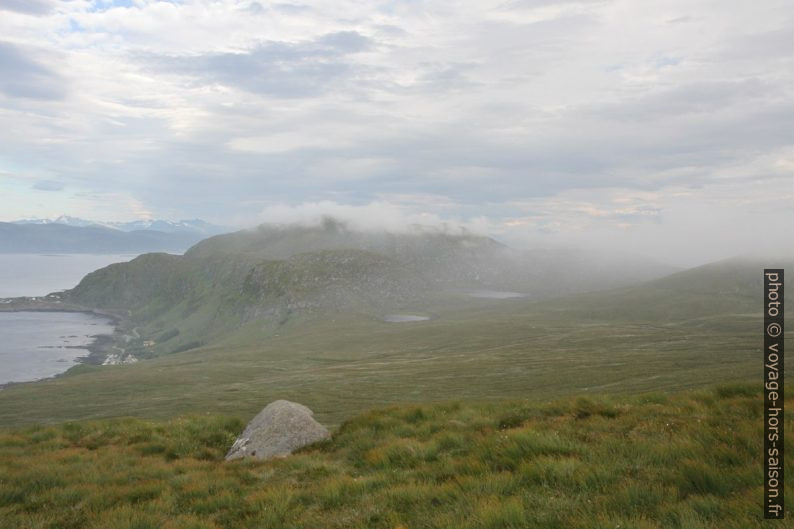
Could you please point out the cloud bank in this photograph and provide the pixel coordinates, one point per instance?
(375, 217)
(664, 125)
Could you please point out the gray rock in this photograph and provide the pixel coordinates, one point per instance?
(279, 429)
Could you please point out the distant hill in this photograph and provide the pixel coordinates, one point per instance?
(61, 238)
(456, 259)
(446, 257)
(728, 287)
(274, 273)
(277, 270)
(228, 324)
(217, 286)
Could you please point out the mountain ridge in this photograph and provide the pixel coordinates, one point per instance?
(167, 226)
(62, 238)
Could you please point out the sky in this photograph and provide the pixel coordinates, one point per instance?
(664, 128)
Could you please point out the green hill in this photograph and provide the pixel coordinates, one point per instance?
(272, 274)
(449, 258)
(201, 298)
(727, 288)
(291, 261)
(275, 273)
(689, 461)
(238, 354)
(225, 332)
(243, 329)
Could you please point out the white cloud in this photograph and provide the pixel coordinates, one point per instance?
(591, 120)
(372, 217)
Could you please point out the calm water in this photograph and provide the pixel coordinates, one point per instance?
(36, 345)
(37, 275)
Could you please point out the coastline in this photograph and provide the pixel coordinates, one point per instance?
(101, 347)
(48, 304)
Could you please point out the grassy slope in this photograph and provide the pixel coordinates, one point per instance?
(689, 461)
(692, 328)
(177, 301)
(725, 288)
(342, 364)
(270, 273)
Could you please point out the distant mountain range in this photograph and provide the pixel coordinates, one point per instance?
(165, 226)
(73, 235)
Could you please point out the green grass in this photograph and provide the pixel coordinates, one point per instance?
(685, 460)
(340, 364)
(227, 341)
(601, 456)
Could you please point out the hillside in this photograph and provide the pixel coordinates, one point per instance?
(341, 362)
(728, 288)
(61, 238)
(446, 257)
(649, 461)
(202, 298)
(225, 331)
(274, 273)
(451, 259)
(608, 454)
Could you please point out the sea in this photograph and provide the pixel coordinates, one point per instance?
(37, 275)
(36, 345)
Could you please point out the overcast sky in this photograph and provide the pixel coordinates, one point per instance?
(658, 127)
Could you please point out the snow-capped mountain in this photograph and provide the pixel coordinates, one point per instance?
(67, 221)
(170, 226)
(167, 226)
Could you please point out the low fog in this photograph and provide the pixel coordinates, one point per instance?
(691, 241)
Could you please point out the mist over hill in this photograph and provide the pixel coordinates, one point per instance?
(697, 296)
(225, 327)
(274, 273)
(454, 257)
(302, 312)
(420, 259)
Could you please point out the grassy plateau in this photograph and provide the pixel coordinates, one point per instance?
(342, 364)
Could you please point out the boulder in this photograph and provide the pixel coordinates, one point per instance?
(279, 429)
